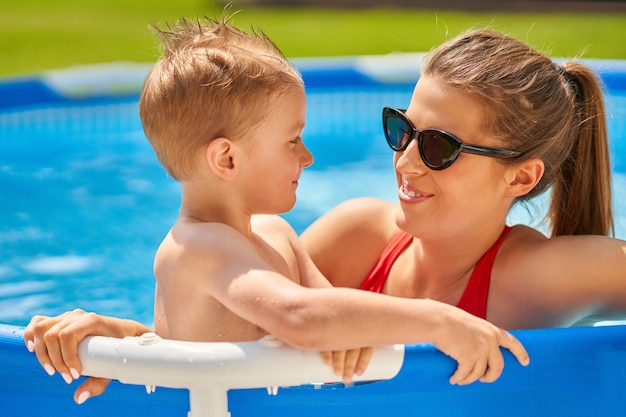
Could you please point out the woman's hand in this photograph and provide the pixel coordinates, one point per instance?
(55, 341)
(475, 344)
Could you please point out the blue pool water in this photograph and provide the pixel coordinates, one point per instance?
(85, 203)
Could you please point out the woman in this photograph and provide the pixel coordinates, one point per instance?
(539, 126)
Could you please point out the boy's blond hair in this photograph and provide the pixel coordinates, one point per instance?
(213, 80)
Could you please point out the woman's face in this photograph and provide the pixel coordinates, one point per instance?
(468, 194)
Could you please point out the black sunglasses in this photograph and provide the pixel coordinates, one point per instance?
(437, 148)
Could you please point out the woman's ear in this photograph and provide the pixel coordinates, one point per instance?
(522, 178)
(219, 156)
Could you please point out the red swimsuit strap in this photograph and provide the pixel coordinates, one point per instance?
(476, 294)
(376, 278)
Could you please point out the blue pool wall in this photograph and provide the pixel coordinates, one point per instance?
(573, 372)
(125, 79)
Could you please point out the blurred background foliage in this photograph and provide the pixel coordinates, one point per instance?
(37, 35)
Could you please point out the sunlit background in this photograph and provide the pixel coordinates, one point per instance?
(38, 35)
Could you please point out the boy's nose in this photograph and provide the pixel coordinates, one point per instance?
(307, 158)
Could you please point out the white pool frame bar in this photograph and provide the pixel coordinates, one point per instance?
(210, 370)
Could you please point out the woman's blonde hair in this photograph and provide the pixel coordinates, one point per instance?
(545, 110)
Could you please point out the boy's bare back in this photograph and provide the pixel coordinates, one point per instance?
(197, 259)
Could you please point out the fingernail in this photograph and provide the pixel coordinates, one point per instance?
(84, 396)
(49, 369)
(68, 379)
(75, 373)
(30, 345)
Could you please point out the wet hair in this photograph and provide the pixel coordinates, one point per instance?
(545, 110)
(213, 80)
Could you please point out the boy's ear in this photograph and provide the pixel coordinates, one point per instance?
(219, 157)
(524, 177)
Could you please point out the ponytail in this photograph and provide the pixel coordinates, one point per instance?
(581, 192)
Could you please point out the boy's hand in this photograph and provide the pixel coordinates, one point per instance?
(347, 363)
(55, 342)
(475, 344)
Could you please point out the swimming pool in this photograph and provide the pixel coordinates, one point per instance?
(85, 203)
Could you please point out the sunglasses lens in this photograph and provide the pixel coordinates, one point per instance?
(438, 150)
(396, 130)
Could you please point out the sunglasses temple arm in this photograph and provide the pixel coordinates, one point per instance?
(486, 151)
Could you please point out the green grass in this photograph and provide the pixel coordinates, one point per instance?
(37, 35)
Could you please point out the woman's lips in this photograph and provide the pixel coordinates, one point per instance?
(411, 194)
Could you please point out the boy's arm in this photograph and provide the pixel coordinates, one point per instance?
(343, 318)
(345, 363)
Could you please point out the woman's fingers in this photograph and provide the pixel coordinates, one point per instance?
(508, 341)
(34, 337)
(54, 340)
(90, 388)
(491, 369)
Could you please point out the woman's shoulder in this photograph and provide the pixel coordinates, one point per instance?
(521, 246)
(345, 242)
(522, 234)
(368, 209)
(531, 263)
(364, 217)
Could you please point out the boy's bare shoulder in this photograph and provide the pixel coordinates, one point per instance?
(279, 243)
(217, 249)
(270, 223)
(201, 244)
(201, 234)
(273, 229)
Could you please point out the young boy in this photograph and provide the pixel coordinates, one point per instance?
(224, 112)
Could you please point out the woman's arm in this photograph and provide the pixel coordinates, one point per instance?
(556, 280)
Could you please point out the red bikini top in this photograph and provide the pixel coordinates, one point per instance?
(474, 298)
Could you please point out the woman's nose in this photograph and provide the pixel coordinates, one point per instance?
(410, 159)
